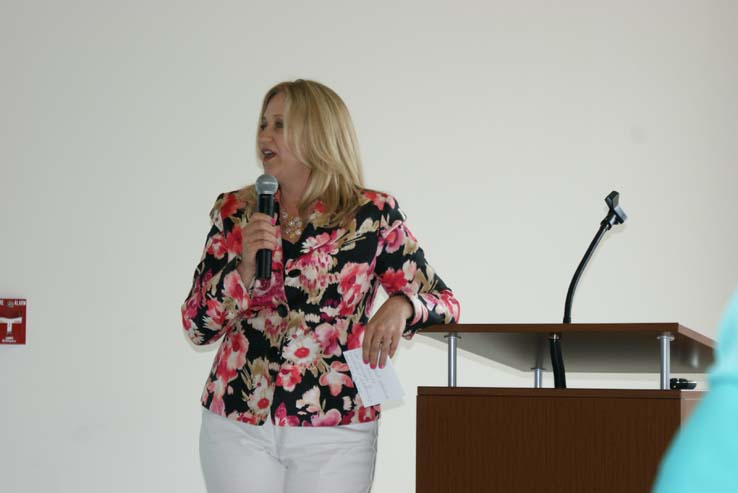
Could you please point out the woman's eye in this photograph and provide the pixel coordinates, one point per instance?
(279, 124)
(262, 126)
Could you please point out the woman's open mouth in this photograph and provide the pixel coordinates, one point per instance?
(268, 154)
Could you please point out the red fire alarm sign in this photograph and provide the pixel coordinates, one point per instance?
(12, 321)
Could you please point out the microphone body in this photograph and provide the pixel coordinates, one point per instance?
(615, 215)
(266, 187)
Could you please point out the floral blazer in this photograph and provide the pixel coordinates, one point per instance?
(284, 338)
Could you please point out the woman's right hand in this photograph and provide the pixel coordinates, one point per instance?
(259, 233)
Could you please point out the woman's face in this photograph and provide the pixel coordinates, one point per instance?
(276, 157)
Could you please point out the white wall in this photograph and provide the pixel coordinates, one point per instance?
(500, 125)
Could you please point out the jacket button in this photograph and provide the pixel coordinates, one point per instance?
(282, 310)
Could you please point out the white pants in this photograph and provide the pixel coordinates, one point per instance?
(243, 458)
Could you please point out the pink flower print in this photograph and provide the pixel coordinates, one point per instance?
(354, 338)
(451, 303)
(348, 417)
(302, 350)
(368, 413)
(380, 199)
(238, 345)
(393, 281)
(331, 418)
(319, 207)
(266, 292)
(191, 308)
(246, 417)
(205, 395)
(281, 418)
(354, 282)
(314, 265)
(328, 336)
(310, 400)
(234, 288)
(225, 358)
(261, 396)
(288, 376)
(193, 331)
(192, 305)
(269, 322)
(229, 205)
(217, 387)
(410, 268)
(323, 242)
(234, 242)
(348, 404)
(313, 278)
(217, 405)
(204, 286)
(335, 380)
(215, 316)
(217, 246)
(394, 239)
(329, 310)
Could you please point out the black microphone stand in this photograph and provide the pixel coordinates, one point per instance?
(615, 215)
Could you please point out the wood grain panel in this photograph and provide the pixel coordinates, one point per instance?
(542, 440)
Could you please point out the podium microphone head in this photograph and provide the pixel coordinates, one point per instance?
(616, 215)
(266, 185)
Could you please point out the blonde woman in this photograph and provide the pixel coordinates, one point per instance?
(281, 412)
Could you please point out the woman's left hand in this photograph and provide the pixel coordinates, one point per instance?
(383, 332)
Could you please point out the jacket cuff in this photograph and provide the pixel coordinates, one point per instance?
(412, 323)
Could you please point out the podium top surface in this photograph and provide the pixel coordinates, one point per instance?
(545, 393)
(587, 348)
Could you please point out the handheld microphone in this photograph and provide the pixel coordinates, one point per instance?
(266, 187)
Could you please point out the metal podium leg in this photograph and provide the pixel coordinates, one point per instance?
(665, 346)
(537, 378)
(538, 365)
(453, 338)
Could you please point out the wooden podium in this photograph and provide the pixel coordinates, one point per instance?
(556, 440)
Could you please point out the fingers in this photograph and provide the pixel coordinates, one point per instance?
(370, 347)
(379, 343)
(261, 238)
(393, 346)
(255, 242)
(385, 348)
(257, 217)
(259, 234)
(260, 222)
(254, 245)
(374, 349)
(366, 345)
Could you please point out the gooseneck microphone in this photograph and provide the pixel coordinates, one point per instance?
(266, 187)
(615, 215)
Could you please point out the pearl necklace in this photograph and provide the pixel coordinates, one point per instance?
(291, 225)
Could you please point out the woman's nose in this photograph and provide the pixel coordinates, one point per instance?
(266, 135)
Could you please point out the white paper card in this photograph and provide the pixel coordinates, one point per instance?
(377, 385)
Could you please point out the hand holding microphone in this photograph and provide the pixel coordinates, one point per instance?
(260, 234)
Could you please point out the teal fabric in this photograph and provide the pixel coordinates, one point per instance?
(704, 455)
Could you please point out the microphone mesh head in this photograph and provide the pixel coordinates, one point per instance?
(266, 184)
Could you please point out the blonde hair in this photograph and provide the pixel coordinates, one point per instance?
(319, 132)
